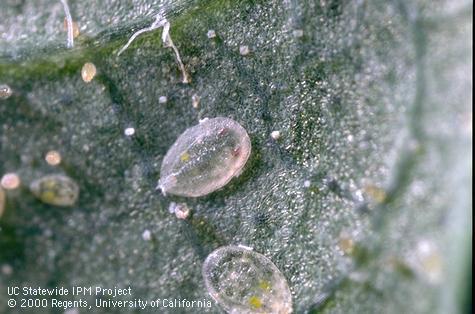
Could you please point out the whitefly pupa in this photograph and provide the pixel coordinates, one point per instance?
(204, 158)
(243, 281)
(55, 189)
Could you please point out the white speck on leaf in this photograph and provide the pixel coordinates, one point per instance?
(244, 50)
(211, 34)
(195, 101)
(162, 99)
(129, 131)
(147, 235)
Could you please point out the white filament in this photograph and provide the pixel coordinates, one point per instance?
(159, 22)
(166, 39)
(69, 22)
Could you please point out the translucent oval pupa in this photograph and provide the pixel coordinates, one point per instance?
(56, 189)
(204, 158)
(243, 281)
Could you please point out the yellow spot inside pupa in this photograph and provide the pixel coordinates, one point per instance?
(185, 157)
(88, 72)
(264, 285)
(255, 302)
(48, 196)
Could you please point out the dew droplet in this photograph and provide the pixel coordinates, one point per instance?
(56, 189)
(243, 281)
(5, 91)
(88, 72)
(205, 158)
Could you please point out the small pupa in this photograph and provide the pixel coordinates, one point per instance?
(56, 189)
(205, 158)
(10, 181)
(53, 158)
(243, 281)
(88, 72)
